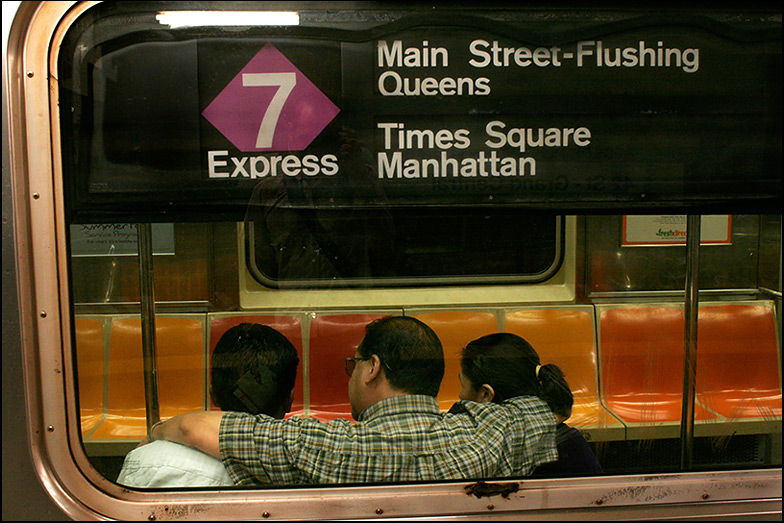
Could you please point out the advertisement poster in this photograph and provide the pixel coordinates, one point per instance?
(118, 239)
(670, 229)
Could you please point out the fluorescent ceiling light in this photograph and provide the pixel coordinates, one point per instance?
(226, 18)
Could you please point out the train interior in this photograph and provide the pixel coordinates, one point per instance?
(396, 169)
(620, 341)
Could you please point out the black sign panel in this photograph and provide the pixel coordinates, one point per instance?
(641, 114)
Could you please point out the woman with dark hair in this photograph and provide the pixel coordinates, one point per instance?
(500, 366)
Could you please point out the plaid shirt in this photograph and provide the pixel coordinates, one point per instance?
(403, 438)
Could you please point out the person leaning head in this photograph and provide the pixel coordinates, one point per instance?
(504, 365)
(410, 352)
(253, 370)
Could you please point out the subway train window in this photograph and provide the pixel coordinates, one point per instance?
(402, 245)
(304, 250)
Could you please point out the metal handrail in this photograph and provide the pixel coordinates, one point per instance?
(147, 301)
(691, 308)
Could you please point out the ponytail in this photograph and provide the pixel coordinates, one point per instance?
(555, 389)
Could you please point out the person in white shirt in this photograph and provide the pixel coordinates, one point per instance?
(253, 370)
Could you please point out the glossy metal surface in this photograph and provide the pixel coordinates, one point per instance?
(51, 413)
(690, 309)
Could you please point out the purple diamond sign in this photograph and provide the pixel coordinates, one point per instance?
(270, 106)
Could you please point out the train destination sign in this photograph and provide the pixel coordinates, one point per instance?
(602, 116)
(266, 123)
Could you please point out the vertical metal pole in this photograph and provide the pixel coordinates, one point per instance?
(147, 298)
(691, 306)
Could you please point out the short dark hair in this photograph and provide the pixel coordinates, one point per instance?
(254, 368)
(507, 362)
(410, 352)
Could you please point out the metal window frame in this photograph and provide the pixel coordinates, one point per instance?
(50, 385)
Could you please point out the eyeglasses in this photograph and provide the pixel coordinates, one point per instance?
(351, 363)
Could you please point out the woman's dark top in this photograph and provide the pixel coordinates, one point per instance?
(575, 457)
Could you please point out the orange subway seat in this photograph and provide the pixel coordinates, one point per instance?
(89, 361)
(565, 337)
(180, 364)
(641, 350)
(456, 329)
(332, 339)
(737, 361)
(289, 326)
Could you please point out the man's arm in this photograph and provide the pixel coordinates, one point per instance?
(199, 430)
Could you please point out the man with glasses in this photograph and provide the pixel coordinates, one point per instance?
(400, 434)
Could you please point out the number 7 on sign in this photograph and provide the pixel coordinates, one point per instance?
(285, 83)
